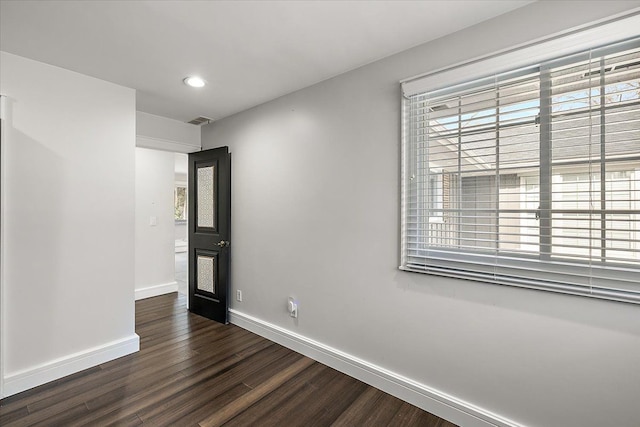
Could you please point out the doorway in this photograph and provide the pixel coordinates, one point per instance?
(181, 211)
(161, 222)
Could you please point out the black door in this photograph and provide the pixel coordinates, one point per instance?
(209, 232)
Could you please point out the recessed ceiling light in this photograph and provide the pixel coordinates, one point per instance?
(194, 81)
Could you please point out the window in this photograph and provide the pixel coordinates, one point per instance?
(436, 195)
(529, 177)
(180, 203)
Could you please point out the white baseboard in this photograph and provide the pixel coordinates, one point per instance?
(431, 400)
(154, 291)
(58, 368)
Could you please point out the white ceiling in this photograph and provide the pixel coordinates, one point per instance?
(249, 51)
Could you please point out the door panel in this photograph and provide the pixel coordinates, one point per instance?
(206, 273)
(209, 232)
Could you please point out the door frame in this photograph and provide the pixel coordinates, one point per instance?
(3, 143)
(172, 146)
(185, 184)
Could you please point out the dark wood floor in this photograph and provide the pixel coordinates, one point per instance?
(194, 372)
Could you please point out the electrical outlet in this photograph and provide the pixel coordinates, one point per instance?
(292, 307)
(239, 295)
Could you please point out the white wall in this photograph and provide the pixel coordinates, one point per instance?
(155, 244)
(315, 214)
(166, 134)
(69, 222)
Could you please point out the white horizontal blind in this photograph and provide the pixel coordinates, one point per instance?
(531, 177)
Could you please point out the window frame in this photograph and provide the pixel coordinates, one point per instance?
(545, 272)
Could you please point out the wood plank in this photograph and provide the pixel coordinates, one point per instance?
(275, 408)
(358, 409)
(334, 393)
(216, 384)
(248, 399)
(8, 404)
(13, 415)
(409, 415)
(136, 401)
(52, 416)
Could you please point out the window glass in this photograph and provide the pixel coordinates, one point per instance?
(536, 169)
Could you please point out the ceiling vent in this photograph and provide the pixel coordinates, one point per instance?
(200, 121)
